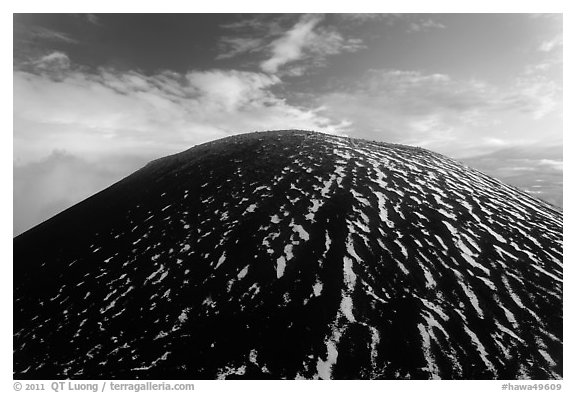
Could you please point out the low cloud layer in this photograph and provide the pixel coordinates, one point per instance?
(45, 188)
(535, 169)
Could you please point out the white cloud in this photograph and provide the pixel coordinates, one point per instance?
(234, 46)
(412, 23)
(291, 44)
(424, 25)
(553, 16)
(370, 17)
(557, 165)
(90, 114)
(444, 113)
(330, 42)
(538, 96)
(53, 61)
(549, 45)
(290, 47)
(43, 33)
(232, 90)
(93, 18)
(496, 142)
(307, 44)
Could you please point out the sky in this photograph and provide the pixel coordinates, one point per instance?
(96, 96)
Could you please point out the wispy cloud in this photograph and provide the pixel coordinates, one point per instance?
(555, 42)
(252, 34)
(233, 46)
(556, 165)
(554, 16)
(307, 44)
(289, 44)
(369, 17)
(412, 23)
(424, 25)
(44, 33)
(441, 112)
(290, 47)
(272, 24)
(93, 18)
(535, 95)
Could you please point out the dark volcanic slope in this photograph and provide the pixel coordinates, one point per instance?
(293, 255)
